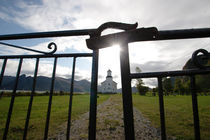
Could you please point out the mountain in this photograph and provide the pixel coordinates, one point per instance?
(43, 83)
(134, 90)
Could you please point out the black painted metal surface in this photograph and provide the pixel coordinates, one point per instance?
(96, 42)
(93, 96)
(161, 106)
(50, 100)
(195, 108)
(152, 34)
(30, 105)
(126, 93)
(12, 100)
(70, 100)
(146, 34)
(31, 100)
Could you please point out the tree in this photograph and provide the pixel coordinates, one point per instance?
(154, 91)
(186, 85)
(178, 87)
(167, 86)
(140, 84)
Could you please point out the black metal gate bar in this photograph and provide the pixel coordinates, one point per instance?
(70, 100)
(195, 108)
(12, 100)
(31, 99)
(126, 92)
(163, 35)
(95, 43)
(169, 73)
(48, 56)
(93, 96)
(145, 34)
(50, 100)
(21, 57)
(47, 34)
(161, 106)
(2, 70)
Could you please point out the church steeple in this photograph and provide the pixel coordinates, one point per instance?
(109, 74)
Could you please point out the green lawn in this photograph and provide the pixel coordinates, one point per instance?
(178, 114)
(59, 113)
(178, 111)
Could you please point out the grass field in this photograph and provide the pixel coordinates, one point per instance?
(178, 114)
(59, 113)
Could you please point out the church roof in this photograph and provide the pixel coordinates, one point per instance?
(106, 81)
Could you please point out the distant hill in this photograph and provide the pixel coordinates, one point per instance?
(134, 90)
(43, 83)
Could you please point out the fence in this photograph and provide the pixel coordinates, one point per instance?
(96, 42)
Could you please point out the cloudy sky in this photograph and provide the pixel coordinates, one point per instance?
(18, 16)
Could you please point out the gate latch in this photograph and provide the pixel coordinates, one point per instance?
(130, 34)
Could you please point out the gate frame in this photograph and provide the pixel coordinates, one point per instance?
(131, 34)
(152, 34)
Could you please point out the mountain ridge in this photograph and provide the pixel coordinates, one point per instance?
(43, 84)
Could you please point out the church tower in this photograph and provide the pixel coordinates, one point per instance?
(109, 74)
(109, 86)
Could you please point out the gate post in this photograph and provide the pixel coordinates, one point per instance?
(126, 92)
(93, 97)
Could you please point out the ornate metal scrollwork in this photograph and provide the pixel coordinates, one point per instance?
(200, 61)
(114, 25)
(28, 49)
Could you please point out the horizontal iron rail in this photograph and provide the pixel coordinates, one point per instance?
(146, 34)
(162, 35)
(48, 56)
(47, 34)
(169, 73)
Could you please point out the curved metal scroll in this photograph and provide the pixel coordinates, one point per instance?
(114, 25)
(200, 60)
(46, 53)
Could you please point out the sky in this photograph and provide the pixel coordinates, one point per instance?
(25, 16)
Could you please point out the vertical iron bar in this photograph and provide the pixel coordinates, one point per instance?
(161, 105)
(2, 70)
(195, 108)
(12, 99)
(126, 92)
(70, 100)
(93, 96)
(31, 100)
(50, 100)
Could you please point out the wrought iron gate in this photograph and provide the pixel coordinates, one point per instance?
(96, 42)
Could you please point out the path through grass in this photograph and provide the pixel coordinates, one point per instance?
(59, 114)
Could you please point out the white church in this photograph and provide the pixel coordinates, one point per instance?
(109, 86)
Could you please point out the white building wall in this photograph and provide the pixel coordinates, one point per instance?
(109, 86)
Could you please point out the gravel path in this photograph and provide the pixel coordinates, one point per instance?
(110, 124)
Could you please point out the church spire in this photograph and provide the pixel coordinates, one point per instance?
(109, 74)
